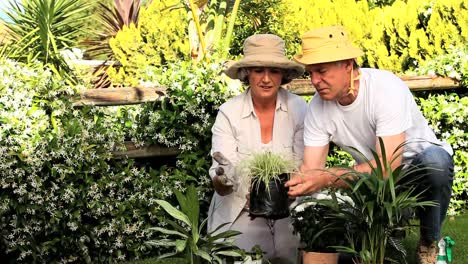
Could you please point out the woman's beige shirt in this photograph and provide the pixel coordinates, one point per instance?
(236, 134)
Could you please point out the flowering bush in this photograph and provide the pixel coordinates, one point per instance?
(453, 64)
(62, 197)
(185, 116)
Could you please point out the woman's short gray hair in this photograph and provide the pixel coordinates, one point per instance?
(288, 75)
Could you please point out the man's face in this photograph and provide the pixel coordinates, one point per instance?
(264, 82)
(331, 79)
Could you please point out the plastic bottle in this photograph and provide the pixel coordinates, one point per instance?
(445, 250)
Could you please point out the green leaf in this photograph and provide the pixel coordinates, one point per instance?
(168, 232)
(174, 212)
(180, 245)
(203, 254)
(225, 234)
(161, 242)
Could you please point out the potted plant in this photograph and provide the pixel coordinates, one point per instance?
(382, 200)
(320, 222)
(190, 243)
(372, 211)
(268, 172)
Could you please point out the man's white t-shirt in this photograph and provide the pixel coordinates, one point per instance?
(384, 106)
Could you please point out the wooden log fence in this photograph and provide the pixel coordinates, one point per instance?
(138, 95)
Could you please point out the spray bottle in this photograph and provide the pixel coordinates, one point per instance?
(445, 250)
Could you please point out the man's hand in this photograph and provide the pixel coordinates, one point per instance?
(225, 181)
(304, 184)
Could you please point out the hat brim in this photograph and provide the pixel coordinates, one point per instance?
(329, 55)
(295, 69)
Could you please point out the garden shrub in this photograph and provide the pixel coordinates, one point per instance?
(396, 37)
(160, 38)
(63, 198)
(302, 16)
(453, 64)
(448, 117)
(257, 17)
(185, 117)
(408, 33)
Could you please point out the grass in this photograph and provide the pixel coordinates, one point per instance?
(454, 227)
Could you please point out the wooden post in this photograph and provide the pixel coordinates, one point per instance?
(415, 83)
(119, 96)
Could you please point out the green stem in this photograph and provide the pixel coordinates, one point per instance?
(230, 28)
(193, 7)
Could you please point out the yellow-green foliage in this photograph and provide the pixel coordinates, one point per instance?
(397, 37)
(160, 37)
(409, 33)
(304, 15)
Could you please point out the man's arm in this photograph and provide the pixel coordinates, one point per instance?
(313, 176)
(392, 153)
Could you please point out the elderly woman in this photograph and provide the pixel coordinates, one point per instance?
(265, 117)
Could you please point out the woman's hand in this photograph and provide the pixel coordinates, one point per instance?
(220, 186)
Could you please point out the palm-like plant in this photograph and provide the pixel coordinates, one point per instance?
(40, 29)
(112, 20)
(381, 202)
(190, 243)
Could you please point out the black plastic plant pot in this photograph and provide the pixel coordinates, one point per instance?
(271, 202)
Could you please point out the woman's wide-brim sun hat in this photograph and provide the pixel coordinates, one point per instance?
(264, 50)
(326, 44)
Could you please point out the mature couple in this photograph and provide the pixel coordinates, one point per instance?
(352, 107)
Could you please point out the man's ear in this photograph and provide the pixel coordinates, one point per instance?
(349, 64)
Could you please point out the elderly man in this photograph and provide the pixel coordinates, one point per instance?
(353, 107)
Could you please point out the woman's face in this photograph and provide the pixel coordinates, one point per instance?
(264, 82)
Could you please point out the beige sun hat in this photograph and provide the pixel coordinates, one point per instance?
(264, 50)
(326, 45)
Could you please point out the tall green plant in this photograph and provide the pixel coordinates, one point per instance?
(211, 26)
(190, 243)
(40, 29)
(381, 202)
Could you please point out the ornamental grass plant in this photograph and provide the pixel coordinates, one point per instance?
(264, 167)
(267, 172)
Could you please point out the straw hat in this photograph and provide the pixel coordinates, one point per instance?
(326, 45)
(264, 50)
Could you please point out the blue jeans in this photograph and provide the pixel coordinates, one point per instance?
(437, 179)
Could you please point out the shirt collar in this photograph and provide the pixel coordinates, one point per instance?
(281, 102)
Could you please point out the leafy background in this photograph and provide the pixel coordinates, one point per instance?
(64, 198)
